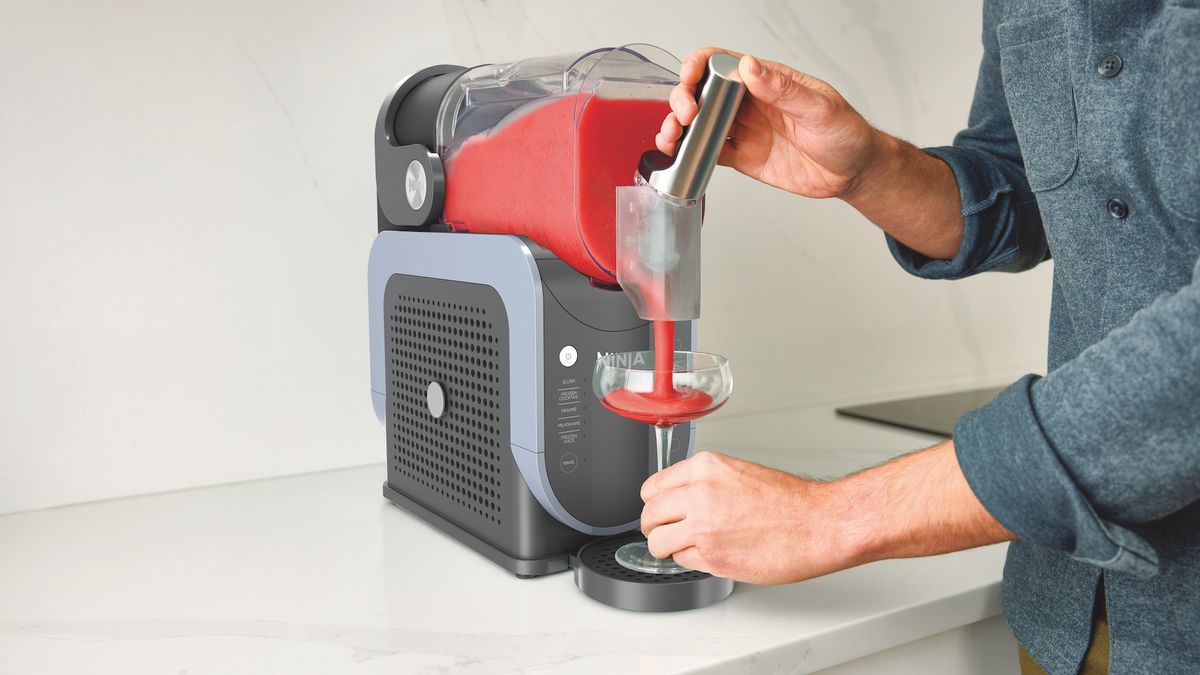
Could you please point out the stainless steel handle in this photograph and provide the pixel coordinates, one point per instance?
(720, 95)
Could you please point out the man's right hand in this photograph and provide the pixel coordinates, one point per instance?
(793, 131)
(797, 133)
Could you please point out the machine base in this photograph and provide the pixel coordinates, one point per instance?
(522, 567)
(602, 578)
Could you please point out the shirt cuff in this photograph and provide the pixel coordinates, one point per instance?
(981, 186)
(1017, 475)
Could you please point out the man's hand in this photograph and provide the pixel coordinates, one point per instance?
(741, 520)
(748, 522)
(794, 131)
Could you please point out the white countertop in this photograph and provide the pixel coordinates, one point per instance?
(319, 574)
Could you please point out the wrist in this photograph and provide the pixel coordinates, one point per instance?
(883, 155)
(846, 513)
(854, 508)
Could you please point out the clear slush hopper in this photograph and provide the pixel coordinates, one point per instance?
(659, 218)
(536, 147)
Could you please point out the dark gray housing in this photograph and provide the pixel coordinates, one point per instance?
(524, 464)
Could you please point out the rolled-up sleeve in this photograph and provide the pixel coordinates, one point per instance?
(1105, 442)
(1080, 459)
(1002, 228)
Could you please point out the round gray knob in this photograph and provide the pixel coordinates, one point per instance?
(435, 398)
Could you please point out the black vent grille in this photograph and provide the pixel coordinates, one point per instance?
(452, 333)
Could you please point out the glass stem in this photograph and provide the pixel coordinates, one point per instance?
(663, 435)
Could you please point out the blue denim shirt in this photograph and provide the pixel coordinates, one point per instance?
(1084, 144)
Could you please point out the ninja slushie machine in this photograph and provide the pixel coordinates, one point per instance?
(494, 287)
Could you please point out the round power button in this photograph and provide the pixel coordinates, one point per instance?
(567, 356)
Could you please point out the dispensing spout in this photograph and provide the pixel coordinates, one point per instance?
(658, 220)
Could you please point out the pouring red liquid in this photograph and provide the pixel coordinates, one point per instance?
(665, 404)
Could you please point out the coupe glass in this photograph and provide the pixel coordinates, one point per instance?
(627, 384)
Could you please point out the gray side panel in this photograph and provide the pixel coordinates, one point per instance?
(500, 261)
(505, 263)
(459, 465)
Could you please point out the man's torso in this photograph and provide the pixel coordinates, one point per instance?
(1105, 101)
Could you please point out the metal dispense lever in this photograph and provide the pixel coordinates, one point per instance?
(685, 176)
(658, 220)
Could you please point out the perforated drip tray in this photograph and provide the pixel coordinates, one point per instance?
(602, 578)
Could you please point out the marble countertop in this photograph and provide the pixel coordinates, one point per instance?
(319, 574)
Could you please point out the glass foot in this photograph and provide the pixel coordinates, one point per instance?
(636, 556)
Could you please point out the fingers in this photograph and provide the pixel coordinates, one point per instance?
(692, 66)
(789, 90)
(666, 507)
(669, 539)
(692, 559)
(668, 136)
(667, 140)
(701, 465)
(691, 69)
(673, 476)
(683, 104)
(772, 83)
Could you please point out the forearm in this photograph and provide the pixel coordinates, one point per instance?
(919, 504)
(912, 196)
(745, 521)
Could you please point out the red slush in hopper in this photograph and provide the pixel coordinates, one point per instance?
(538, 148)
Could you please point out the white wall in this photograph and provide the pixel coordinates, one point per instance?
(186, 206)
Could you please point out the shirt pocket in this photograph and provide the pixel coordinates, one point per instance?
(1037, 84)
(1179, 113)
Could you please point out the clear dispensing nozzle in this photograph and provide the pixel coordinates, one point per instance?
(658, 220)
(658, 253)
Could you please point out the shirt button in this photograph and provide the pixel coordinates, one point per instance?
(1117, 209)
(1109, 65)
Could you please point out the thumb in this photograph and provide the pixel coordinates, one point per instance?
(777, 85)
